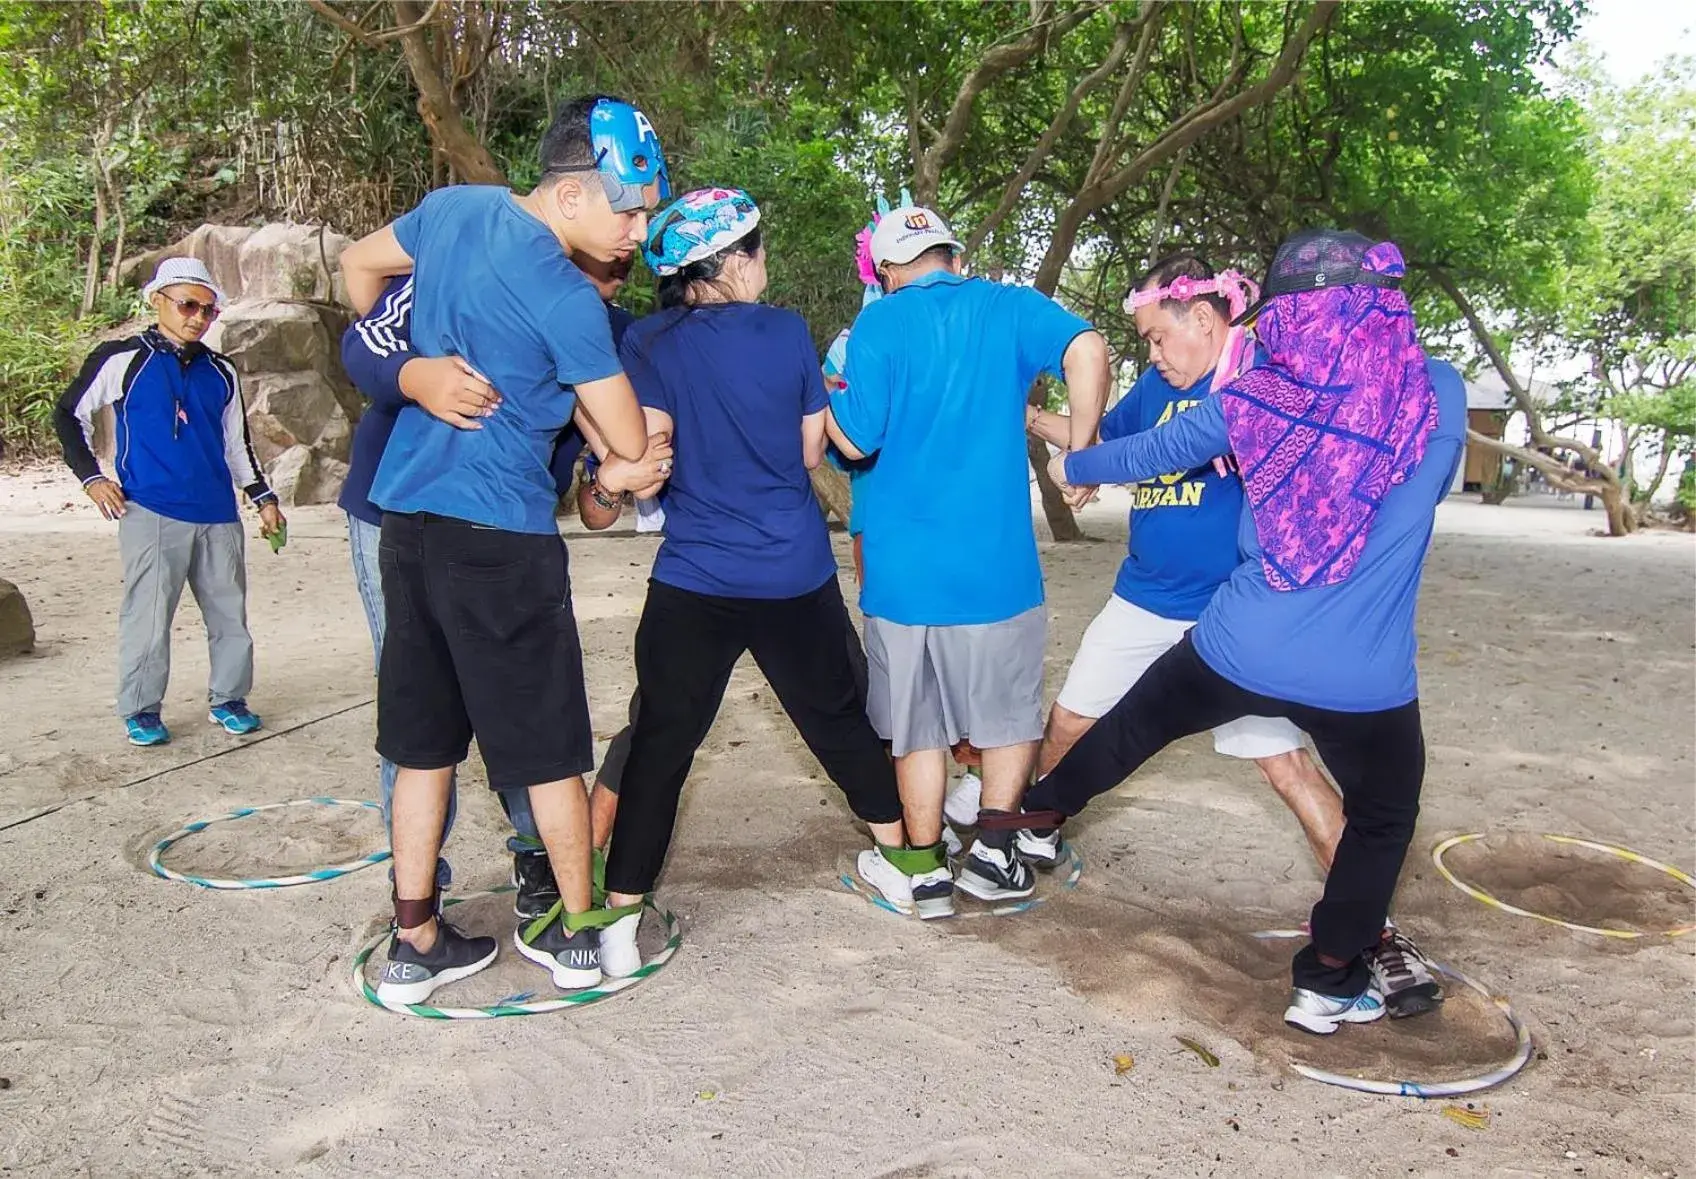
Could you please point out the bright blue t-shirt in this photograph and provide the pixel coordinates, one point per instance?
(1348, 647)
(1183, 525)
(741, 520)
(938, 373)
(492, 284)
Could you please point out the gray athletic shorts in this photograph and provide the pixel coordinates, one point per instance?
(933, 686)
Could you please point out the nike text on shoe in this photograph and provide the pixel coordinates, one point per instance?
(1041, 848)
(234, 718)
(1323, 1014)
(574, 959)
(991, 874)
(1403, 975)
(890, 882)
(410, 976)
(533, 876)
(145, 728)
(933, 894)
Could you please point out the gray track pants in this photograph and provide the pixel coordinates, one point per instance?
(159, 555)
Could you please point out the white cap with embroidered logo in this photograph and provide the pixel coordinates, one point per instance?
(909, 231)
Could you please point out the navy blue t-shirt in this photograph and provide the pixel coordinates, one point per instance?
(741, 520)
(1183, 524)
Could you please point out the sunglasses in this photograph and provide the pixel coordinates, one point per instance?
(190, 308)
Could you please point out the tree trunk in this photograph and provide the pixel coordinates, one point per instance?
(443, 119)
(91, 276)
(1654, 487)
(1622, 517)
(831, 486)
(1061, 523)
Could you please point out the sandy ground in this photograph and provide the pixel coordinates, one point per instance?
(150, 1028)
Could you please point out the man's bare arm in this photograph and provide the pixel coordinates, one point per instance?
(813, 439)
(368, 265)
(849, 450)
(615, 415)
(1089, 376)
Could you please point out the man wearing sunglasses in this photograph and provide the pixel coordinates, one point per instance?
(181, 446)
(479, 636)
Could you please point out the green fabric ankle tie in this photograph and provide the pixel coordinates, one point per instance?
(915, 861)
(576, 922)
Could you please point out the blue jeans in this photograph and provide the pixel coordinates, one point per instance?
(362, 541)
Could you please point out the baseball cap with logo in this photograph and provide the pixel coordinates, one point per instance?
(173, 271)
(909, 231)
(1317, 258)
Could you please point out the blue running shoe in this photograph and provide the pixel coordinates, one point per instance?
(145, 728)
(234, 717)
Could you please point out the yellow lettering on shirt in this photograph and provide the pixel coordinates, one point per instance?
(1167, 496)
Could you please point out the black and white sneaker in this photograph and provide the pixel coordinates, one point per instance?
(1404, 975)
(533, 876)
(933, 894)
(410, 976)
(1040, 847)
(574, 959)
(995, 874)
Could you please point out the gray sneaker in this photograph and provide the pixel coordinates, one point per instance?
(995, 874)
(574, 959)
(410, 976)
(1323, 1014)
(1404, 975)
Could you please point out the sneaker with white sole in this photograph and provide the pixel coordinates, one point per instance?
(235, 718)
(933, 894)
(573, 958)
(892, 884)
(146, 728)
(411, 975)
(1041, 848)
(620, 957)
(965, 795)
(1403, 975)
(1323, 1014)
(533, 877)
(994, 874)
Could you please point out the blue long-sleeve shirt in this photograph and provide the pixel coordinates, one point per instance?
(374, 350)
(1349, 647)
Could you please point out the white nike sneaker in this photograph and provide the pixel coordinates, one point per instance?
(951, 842)
(889, 881)
(965, 795)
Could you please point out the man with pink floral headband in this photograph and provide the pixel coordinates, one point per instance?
(1183, 542)
(1347, 438)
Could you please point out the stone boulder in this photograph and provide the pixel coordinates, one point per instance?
(292, 262)
(17, 628)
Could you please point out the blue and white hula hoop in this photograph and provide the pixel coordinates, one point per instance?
(1427, 1089)
(315, 876)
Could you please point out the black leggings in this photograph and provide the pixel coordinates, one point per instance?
(686, 646)
(611, 773)
(1377, 759)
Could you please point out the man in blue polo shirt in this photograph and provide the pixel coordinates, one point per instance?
(479, 636)
(938, 372)
(1183, 547)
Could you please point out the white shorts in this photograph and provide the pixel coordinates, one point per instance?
(1121, 644)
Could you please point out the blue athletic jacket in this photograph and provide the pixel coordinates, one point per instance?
(374, 350)
(181, 428)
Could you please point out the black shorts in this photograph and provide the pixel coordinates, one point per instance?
(480, 640)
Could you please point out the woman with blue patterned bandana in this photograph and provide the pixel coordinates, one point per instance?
(746, 564)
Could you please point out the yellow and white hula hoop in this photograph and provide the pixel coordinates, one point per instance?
(1623, 853)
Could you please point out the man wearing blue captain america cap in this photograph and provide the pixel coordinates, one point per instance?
(477, 642)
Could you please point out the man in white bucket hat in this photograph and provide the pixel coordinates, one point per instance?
(181, 446)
